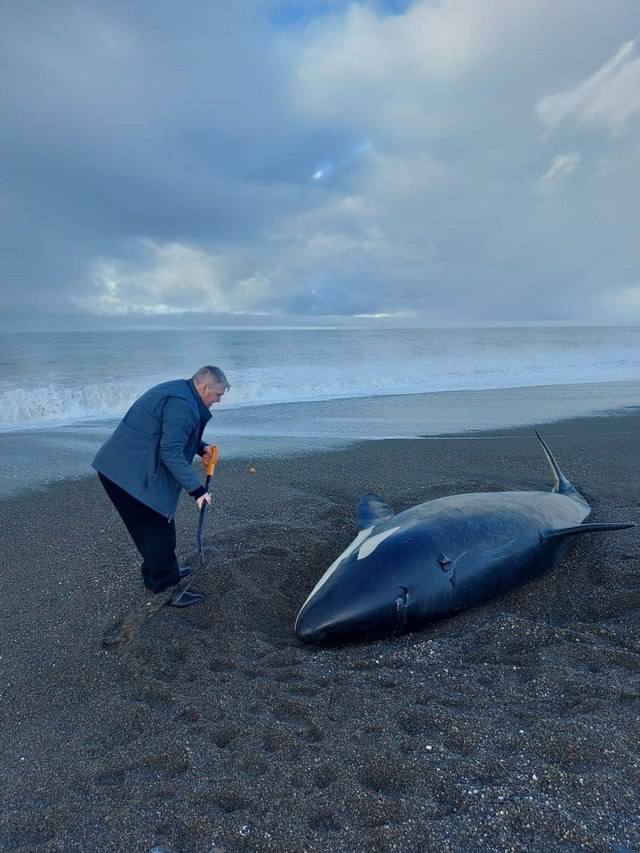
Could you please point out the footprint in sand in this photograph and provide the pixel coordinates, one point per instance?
(385, 774)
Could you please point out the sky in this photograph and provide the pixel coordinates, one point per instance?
(434, 161)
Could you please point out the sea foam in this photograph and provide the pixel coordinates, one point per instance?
(92, 385)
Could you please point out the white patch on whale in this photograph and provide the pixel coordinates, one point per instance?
(325, 577)
(373, 541)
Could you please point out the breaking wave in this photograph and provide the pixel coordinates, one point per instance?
(62, 403)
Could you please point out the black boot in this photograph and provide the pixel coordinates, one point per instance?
(185, 599)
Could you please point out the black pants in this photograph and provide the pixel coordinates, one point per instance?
(153, 535)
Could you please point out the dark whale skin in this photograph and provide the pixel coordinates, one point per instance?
(405, 571)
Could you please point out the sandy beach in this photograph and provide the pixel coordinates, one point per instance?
(514, 726)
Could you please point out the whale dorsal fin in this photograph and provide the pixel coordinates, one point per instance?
(601, 527)
(371, 509)
(560, 483)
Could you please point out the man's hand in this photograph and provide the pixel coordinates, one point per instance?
(204, 499)
(206, 455)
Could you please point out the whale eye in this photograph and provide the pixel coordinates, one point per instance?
(445, 563)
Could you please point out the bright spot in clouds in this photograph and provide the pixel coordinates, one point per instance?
(324, 170)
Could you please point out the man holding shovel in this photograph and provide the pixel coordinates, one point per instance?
(146, 463)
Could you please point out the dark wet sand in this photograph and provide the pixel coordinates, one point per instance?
(512, 727)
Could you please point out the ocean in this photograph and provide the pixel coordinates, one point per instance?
(295, 390)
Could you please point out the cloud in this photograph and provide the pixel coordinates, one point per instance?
(447, 94)
(609, 99)
(561, 165)
(426, 160)
(171, 278)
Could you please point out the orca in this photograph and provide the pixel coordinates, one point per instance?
(406, 570)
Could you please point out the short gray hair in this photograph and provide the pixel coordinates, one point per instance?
(209, 373)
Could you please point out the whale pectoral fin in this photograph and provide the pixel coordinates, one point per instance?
(371, 509)
(596, 527)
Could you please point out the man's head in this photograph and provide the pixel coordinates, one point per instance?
(210, 383)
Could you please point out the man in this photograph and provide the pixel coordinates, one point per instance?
(147, 462)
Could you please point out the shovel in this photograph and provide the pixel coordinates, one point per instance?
(213, 461)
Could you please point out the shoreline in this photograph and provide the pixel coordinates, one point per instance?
(33, 459)
(510, 727)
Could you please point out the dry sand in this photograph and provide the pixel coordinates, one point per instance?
(512, 727)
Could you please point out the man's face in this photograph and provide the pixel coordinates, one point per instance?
(211, 393)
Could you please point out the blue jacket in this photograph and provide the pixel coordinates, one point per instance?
(150, 453)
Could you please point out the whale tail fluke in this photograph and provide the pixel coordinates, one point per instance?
(561, 484)
(601, 527)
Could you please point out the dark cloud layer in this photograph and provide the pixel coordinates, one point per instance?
(433, 161)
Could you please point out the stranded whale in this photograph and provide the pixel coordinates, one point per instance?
(406, 570)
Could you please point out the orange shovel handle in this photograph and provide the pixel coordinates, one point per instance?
(213, 461)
